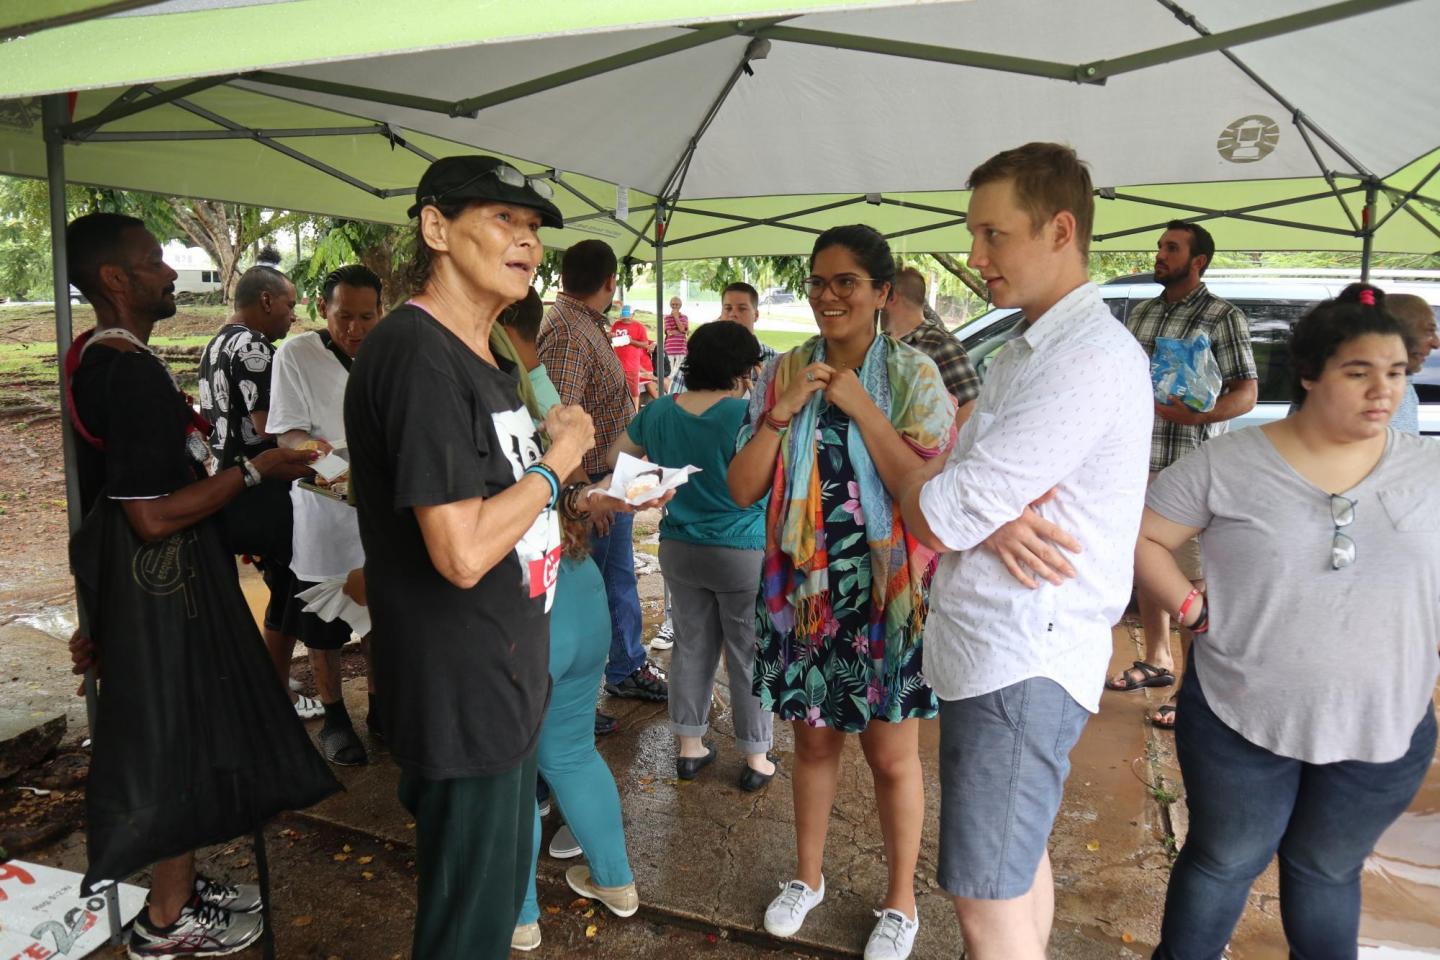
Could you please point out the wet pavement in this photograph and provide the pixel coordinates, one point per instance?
(707, 856)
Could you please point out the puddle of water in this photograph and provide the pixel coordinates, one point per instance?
(56, 621)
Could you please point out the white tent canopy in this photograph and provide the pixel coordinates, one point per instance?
(760, 128)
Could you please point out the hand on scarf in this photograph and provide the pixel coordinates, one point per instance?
(814, 377)
(847, 392)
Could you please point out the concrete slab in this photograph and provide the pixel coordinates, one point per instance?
(707, 853)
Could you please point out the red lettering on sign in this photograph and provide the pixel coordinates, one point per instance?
(11, 871)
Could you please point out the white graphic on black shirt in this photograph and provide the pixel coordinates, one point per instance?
(539, 549)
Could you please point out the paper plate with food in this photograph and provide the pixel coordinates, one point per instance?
(639, 482)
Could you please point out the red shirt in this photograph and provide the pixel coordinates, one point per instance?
(632, 357)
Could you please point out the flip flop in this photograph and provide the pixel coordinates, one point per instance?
(1164, 717)
(1151, 676)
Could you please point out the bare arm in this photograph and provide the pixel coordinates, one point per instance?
(467, 538)
(623, 444)
(963, 414)
(158, 517)
(258, 418)
(1157, 574)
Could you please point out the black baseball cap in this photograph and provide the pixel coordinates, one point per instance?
(483, 178)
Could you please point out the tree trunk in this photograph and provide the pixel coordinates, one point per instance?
(967, 276)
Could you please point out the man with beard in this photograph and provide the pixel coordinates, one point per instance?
(1185, 307)
(156, 782)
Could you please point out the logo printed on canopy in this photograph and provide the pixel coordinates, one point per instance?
(1249, 139)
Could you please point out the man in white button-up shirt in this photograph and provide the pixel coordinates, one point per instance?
(1017, 654)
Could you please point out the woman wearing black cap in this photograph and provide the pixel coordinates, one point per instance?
(462, 543)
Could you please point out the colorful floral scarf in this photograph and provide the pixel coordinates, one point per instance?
(795, 579)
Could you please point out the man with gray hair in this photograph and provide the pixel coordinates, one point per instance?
(234, 390)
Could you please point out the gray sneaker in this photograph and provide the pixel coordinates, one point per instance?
(235, 897)
(201, 930)
(563, 845)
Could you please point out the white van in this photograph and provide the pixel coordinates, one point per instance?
(1272, 300)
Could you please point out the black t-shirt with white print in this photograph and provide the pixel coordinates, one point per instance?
(127, 400)
(234, 383)
(428, 422)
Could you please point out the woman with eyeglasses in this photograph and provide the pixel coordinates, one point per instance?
(834, 427)
(1306, 723)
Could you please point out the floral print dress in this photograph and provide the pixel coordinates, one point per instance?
(839, 682)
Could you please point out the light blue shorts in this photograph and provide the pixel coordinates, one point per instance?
(1004, 757)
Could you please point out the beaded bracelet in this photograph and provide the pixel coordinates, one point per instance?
(779, 426)
(569, 501)
(551, 477)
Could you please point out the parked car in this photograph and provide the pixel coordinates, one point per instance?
(778, 295)
(1271, 303)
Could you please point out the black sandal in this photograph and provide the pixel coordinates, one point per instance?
(1151, 676)
(342, 747)
(1164, 717)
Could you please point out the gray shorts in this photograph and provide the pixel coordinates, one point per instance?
(1004, 757)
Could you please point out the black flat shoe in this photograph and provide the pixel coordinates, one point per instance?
(687, 768)
(342, 747)
(752, 779)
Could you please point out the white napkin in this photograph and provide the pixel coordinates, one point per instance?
(627, 468)
(327, 600)
(331, 467)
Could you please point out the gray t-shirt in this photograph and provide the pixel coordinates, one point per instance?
(1305, 661)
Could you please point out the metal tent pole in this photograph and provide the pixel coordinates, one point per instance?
(54, 113)
(1367, 223)
(659, 349)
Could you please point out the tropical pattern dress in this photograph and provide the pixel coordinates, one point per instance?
(839, 681)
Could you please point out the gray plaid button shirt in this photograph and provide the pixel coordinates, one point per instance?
(1229, 334)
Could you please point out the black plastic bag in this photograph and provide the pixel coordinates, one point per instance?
(258, 522)
(195, 741)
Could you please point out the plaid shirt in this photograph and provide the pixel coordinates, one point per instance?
(1229, 334)
(574, 345)
(932, 339)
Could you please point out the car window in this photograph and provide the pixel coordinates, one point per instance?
(1117, 307)
(984, 346)
(1270, 323)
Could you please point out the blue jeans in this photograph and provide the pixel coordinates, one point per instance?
(582, 784)
(614, 554)
(1248, 804)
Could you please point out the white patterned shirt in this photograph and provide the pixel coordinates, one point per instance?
(1066, 405)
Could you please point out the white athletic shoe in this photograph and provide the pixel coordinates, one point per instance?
(893, 937)
(308, 707)
(665, 636)
(563, 845)
(786, 913)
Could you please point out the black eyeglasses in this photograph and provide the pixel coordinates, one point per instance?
(507, 175)
(1342, 548)
(844, 285)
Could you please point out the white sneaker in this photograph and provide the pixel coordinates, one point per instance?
(893, 937)
(308, 707)
(526, 937)
(665, 636)
(563, 845)
(786, 913)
